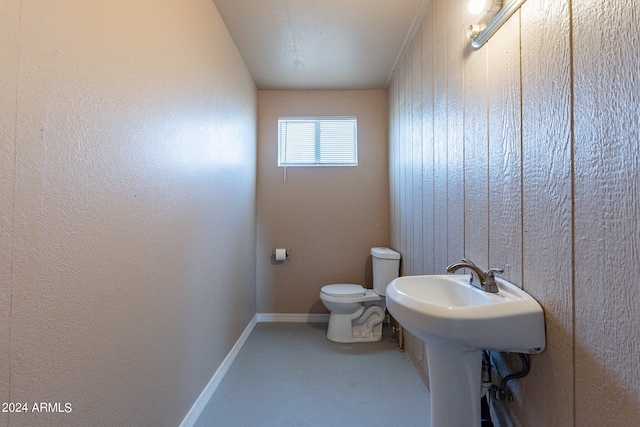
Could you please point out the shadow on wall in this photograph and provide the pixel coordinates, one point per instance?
(591, 383)
(598, 387)
(368, 273)
(551, 370)
(318, 307)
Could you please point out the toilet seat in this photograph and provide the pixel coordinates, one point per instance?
(348, 292)
(343, 290)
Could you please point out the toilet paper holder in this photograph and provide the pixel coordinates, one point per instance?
(280, 254)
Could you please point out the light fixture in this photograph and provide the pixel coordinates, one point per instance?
(492, 14)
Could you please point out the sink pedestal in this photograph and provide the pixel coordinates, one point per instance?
(455, 384)
(456, 320)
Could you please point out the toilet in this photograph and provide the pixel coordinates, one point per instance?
(357, 313)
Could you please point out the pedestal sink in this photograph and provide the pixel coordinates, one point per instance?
(457, 320)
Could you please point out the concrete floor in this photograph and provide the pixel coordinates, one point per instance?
(289, 374)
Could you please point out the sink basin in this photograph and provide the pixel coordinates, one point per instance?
(448, 307)
(457, 320)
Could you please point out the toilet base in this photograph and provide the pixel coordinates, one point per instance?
(343, 328)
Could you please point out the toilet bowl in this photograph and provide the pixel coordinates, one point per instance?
(357, 313)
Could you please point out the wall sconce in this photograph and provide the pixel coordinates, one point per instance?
(492, 14)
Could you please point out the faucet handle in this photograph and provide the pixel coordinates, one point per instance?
(491, 271)
(490, 279)
(490, 284)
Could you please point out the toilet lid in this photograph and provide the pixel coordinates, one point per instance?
(342, 290)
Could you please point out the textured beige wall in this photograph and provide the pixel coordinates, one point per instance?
(329, 217)
(127, 175)
(524, 155)
(9, 24)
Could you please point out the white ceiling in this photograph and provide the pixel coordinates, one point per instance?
(320, 44)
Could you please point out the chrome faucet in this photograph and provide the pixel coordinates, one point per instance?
(486, 278)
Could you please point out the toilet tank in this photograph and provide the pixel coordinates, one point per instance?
(386, 267)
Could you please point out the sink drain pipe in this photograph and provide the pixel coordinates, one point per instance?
(501, 392)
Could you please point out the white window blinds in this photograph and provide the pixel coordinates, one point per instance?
(317, 141)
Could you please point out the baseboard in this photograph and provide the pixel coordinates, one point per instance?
(293, 317)
(202, 400)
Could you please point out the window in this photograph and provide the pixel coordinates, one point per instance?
(317, 141)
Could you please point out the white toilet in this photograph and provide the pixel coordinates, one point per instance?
(357, 313)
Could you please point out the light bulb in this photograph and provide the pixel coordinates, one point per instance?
(476, 7)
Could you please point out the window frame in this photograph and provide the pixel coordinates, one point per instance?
(317, 120)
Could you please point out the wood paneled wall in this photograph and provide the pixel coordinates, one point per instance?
(525, 155)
